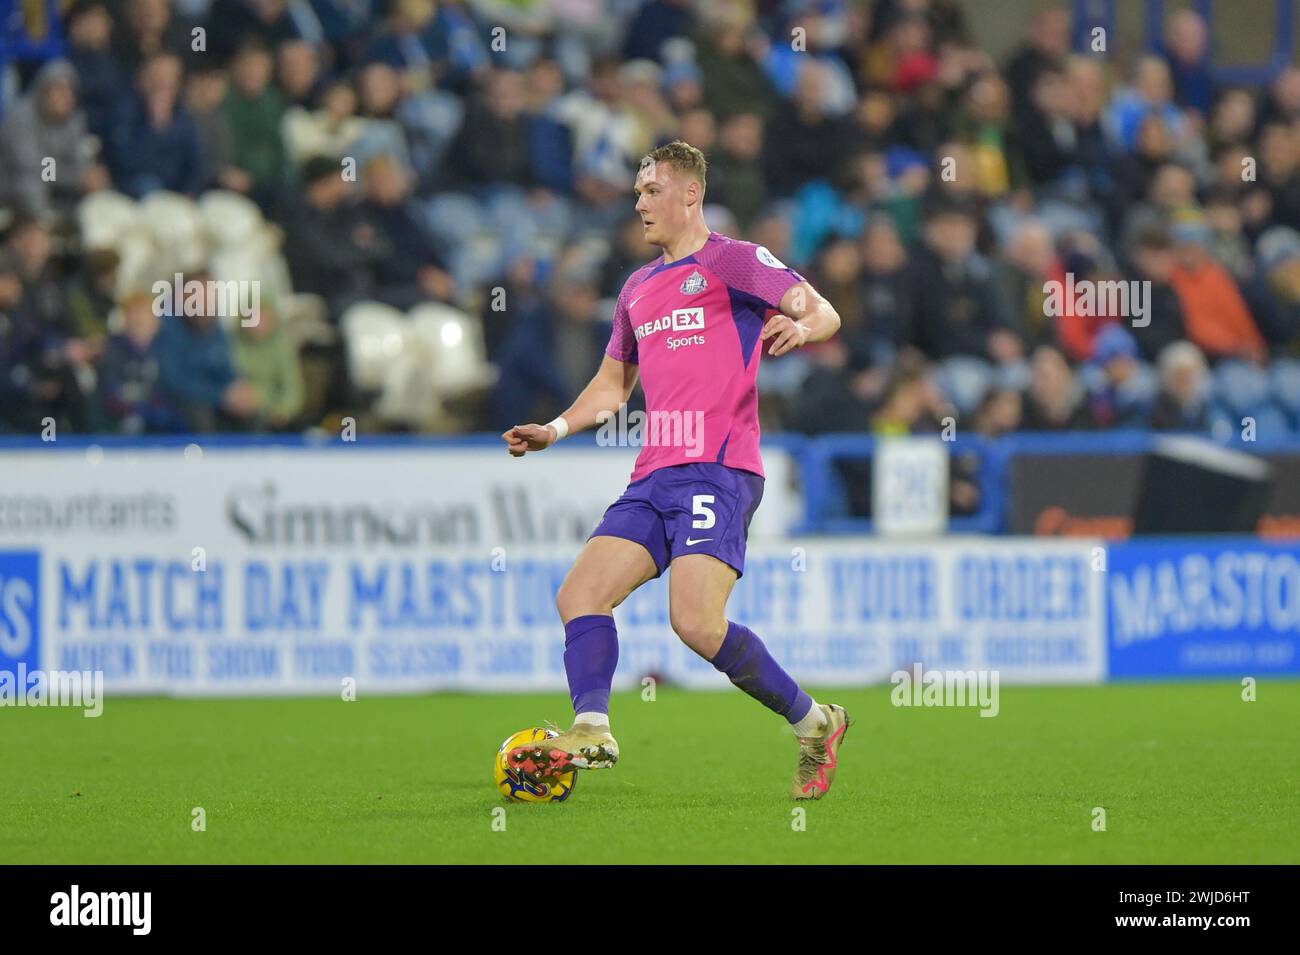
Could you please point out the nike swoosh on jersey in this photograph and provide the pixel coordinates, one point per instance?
(691, 541)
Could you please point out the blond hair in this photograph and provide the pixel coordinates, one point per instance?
(681, 156)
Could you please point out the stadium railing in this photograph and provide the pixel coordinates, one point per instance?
(826, 497)
(1089, 14)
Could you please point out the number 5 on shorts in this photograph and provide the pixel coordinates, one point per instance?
(704, 517)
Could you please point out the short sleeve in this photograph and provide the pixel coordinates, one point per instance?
(755, 271)
(622, 342)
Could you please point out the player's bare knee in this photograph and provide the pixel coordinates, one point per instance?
(703, 634)
(575, 600)
(568, 602)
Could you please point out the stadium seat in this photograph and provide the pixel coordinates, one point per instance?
(453, 216)
(374, 336)
(1223, 427)
(1015, 376)
(242, 265)
(1271, 422)
(177, 228)
(1241, 388)
(258, 258)
(964, 380)
(305, 318)
(479, 260)
(453, 342)
(275, 270)
(137, 261)
(1146, 384)
(104, 217)
(408, 396)
(1284, 383)
(230, 219)
(171, 215)
(1227, 425)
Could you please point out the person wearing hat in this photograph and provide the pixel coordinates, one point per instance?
(48, 159)
(1120, 393)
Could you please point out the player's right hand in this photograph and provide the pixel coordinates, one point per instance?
(523, 438)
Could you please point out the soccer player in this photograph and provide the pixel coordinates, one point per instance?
(692, 324)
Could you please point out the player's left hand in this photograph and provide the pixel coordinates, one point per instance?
(788, 333)
(523, 438)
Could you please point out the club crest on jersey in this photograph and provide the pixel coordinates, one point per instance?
(694, 284)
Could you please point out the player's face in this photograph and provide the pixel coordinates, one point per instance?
(662, 202)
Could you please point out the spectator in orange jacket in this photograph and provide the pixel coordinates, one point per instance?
(1214, 311)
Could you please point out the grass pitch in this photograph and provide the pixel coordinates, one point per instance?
(1186, 773)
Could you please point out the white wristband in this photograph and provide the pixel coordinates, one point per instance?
(561, 427)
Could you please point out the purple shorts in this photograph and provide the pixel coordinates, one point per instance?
(687, 509)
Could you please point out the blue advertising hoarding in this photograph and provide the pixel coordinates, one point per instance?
(20, 609)
(1225, 607)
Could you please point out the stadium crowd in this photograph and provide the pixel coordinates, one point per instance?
(928, 191)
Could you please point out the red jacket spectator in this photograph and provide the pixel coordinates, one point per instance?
(1215, 314)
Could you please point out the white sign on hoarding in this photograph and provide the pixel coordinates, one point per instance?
(909, 487)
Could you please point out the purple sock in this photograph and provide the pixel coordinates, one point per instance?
(747, 664)
(590, 656)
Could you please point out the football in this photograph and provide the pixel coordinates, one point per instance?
(517, 786)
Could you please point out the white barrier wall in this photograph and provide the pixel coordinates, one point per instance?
(286, 571)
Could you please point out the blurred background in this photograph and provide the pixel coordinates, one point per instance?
(434, 201)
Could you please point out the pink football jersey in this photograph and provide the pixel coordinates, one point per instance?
(693, 326)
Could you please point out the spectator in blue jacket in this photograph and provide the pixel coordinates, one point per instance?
(196, 372)
(101, 76)
(156, 146)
